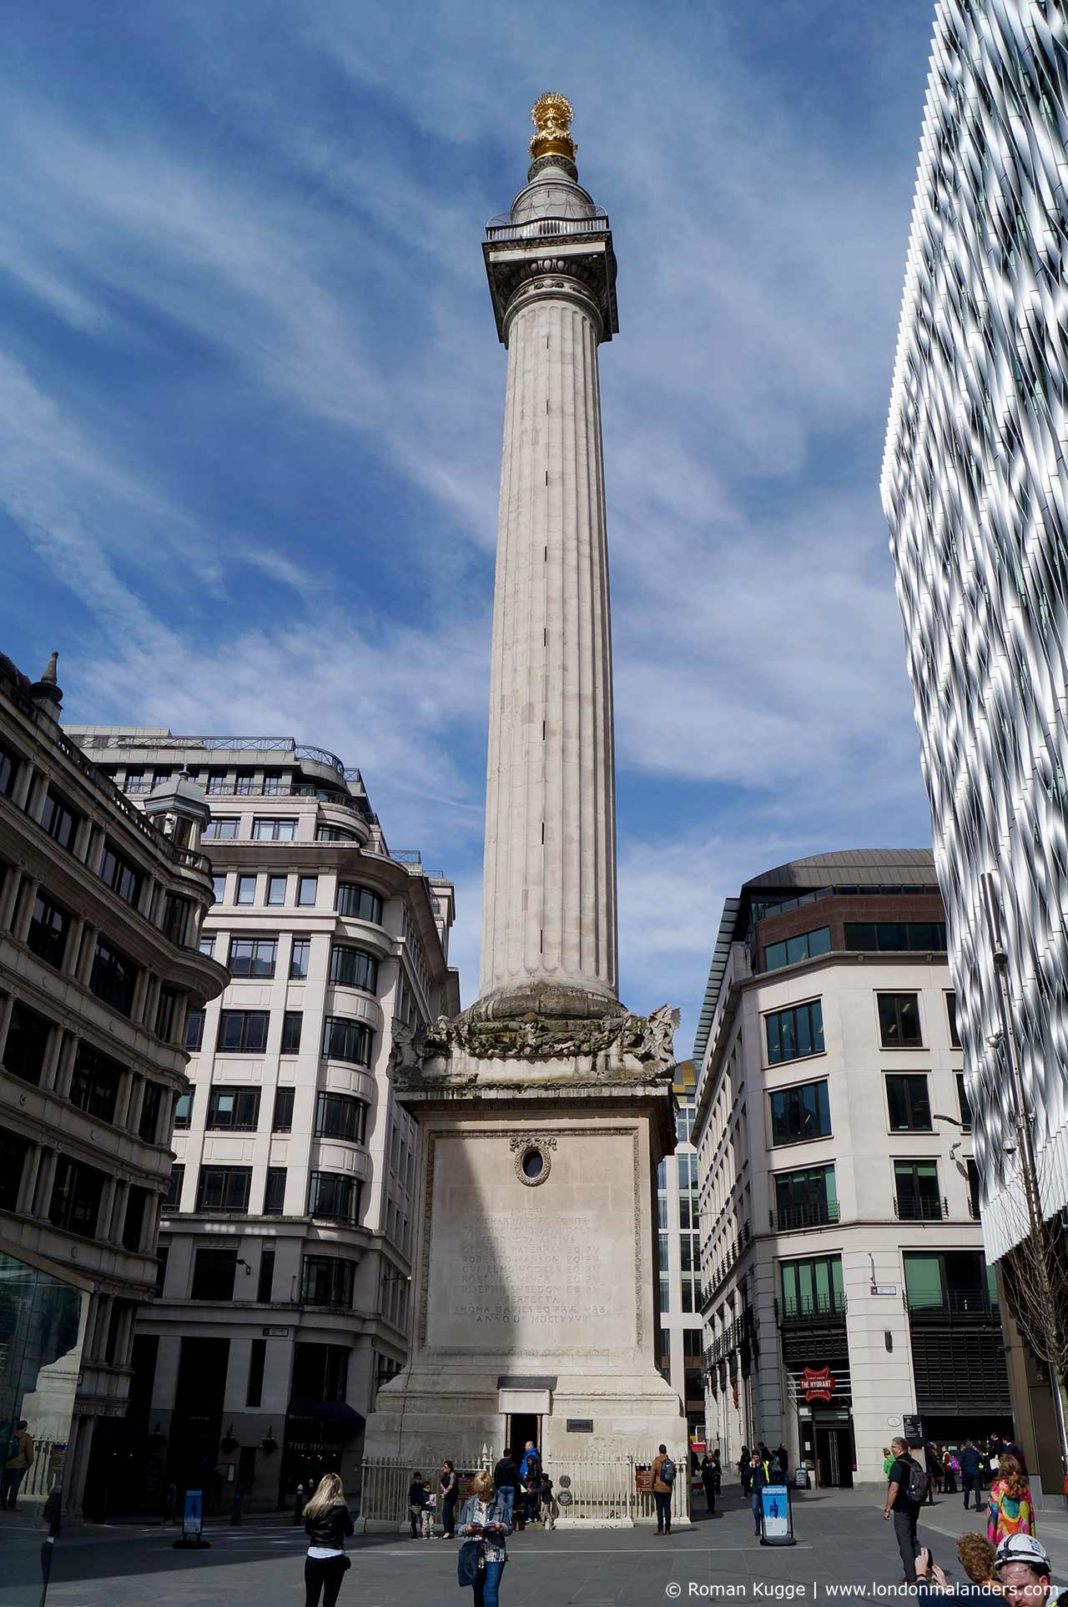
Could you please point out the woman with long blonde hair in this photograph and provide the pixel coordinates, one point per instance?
(1010, 1509)
(484, 1522)
(327, 1521)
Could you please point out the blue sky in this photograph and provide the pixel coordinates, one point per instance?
(252, 401)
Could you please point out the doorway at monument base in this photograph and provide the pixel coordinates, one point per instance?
(535, 1273)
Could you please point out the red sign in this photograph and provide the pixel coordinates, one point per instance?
(817, 1383)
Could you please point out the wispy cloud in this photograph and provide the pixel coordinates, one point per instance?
(255, 402)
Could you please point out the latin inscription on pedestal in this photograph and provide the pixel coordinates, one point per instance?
(530, 1270)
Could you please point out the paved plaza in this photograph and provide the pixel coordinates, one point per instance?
(844, 1550)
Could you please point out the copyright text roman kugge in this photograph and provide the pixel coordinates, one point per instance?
(765, 1590)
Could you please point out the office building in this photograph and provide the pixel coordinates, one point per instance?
(287, 1239)
(974, 488)
(842, 1263)
(681, 1323)
(101, 914)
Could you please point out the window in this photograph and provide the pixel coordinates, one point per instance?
(333, 1195)
(910, 1107)
(307, 890)
(272, 783)
(27, 1043)
(794, 1033)
(235, 1108)
(298, 959)
(133, 1223)
(268, 829)
(253, 956)
(47, 936)
(176, 916)
(194, 1031)
(151, 1105)
(334, 834)
(951, 1011)
(917, 1196)
(805, 1199)
(224, 1188)
(113, 978)
(183, 1109)
(172, 1199)
(899, 1020)
(242, 1032)
(964, 1103)
(274, 1193)
(223, 829)
(283, 1111)
(166, 1010)
(320, 1372)
(216, 783)
(895, 936)
(327, 1280)
(206, 946)
(245, 784)
(59, 820)
(344, 1039)
(257, 1360)
(805, 946)
(135, 781)
(76, 1195)
(13, 1151)
(359, 903)
(246, 889)
(339, 1116)
(292, 1021)
(213, 1274)
(265, 1281)
(974, 1196)
(118, 873)
(353, 968)
(812, 1288)
(9, 769)
(95, 1082)
(276, 889)
(949, 1280)
(218, 889)
(800, 1113)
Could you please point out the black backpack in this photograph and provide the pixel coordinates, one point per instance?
(14, 1447)
(667, 1471)
(468, 1562)
(917, 1483)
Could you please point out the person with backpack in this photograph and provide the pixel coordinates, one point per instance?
(18, 1461)
(906, 1492)
(663, 1485)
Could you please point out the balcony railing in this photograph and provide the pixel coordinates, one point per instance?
(795, 1218)
(973, 1304)
(503, 228)
(812, 1313)
(920, 1208)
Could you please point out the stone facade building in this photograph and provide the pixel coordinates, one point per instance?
(844, 1279)
(100, 920)
(287, 1239)
(976, 494)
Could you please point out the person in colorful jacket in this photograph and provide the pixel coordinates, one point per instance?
(487, 1517)
(1010, 1509)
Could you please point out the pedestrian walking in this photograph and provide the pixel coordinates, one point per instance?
(529, 1462)
(759, 1477)
(506, 1479)
(781, 1463)
(417, 1492)
(888, 1461)
(933, 1469)
(549, 1508)
(449, 1487)
(327, 1520)
(971, 1472)
(905, 1493)
(1010, 1509)
(486, 1518)
(17, 1464)
(708, 1479)
(950, 1469)
(663, 1484)
(744, 1465)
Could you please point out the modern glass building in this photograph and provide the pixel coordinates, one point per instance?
(974, 488)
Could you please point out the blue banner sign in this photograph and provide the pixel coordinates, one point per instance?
(193, 1513)
(776, 1519)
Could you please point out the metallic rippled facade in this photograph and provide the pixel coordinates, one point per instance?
(975, 487)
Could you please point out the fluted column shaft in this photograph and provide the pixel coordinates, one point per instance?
(549, 901)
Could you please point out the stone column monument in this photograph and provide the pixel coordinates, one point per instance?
(545, 1108)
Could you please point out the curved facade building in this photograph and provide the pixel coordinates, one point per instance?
(974, 489)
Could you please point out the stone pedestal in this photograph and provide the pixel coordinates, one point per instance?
(536, 1261)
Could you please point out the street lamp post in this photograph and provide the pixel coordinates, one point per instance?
(1022, 1120)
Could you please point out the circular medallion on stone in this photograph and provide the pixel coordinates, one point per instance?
(532, 1164)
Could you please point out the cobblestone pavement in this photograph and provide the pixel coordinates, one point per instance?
(844, 1551)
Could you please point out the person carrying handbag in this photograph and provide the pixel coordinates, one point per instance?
(327, 1521)
(484, 1522)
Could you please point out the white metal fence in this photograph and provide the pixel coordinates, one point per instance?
(601, 1491)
